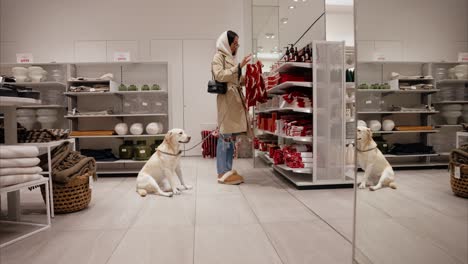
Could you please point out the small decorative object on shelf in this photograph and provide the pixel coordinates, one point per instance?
(132, 88)
(142, 151)
(136, 129)
(145, 87)
(155, 87)
(126, 150)
(121, 129)
(122, 87)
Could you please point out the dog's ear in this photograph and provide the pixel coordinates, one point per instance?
(168, 136)
(368, 136)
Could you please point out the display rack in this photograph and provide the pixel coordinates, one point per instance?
(327, 115)
(378, 72)
(124, 73)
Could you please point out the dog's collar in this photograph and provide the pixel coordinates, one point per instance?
(367, 150)
(170, 154)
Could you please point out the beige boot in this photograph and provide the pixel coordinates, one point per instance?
(231, 178)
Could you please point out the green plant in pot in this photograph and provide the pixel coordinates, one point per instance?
(122, 87)
(363, 86)
(132, 88)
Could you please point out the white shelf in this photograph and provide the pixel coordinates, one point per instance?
(418, 164)
(399, 112)
(17, 101)
(114, 93)
(116, 115)
(448, 81)
(287, 66)
(412, 156)
(39, 84)
(451, 102)
(305, 180)
(122, 162)
(89, 81)
(443, 126)
(48, 144)
(15, 187)
(286, 85)
(406, 132)
(266, 157)
(42, 106)
(288, 109)
(397, 91)
(122, 136)
(297, 139)
(295, 170)
(415, 79)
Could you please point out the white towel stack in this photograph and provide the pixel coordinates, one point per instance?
(18, 164)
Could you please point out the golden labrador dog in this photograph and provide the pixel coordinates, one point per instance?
(377, 171)
(159, 175)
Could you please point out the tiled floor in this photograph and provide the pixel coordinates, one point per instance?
(264, 220)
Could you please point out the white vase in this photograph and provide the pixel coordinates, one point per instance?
(154, 128)
(375, 125)
(451, 117)
(121, 129)
(136, 129)
(388, 125)
(20, 74)
(361, 123)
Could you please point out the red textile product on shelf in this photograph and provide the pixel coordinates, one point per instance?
(256, 143)
(209, 145)
(271, 149)
(278, 157)
(284, 77)
(255, 85)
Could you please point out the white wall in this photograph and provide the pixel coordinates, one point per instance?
(89, 30)
(340, 24)
(412, 30)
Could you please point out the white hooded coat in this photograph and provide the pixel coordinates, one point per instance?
(232, 111)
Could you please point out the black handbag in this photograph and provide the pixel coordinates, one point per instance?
(215, 87)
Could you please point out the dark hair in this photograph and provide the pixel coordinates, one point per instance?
(231, 36)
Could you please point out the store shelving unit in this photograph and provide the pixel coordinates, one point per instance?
(126, 73)
(378, 72)
(327, 115)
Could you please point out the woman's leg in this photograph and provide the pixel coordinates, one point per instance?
(230, 153)
(221, 155)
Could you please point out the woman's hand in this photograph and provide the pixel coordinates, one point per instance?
(245, 60)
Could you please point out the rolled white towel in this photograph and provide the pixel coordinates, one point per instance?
(16, 171)
(15, 151)
(9, 180)
(19, 163)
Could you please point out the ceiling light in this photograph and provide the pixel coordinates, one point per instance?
(304, 0)
(272, 36)
(291, 7)
(295, 0)
(269, 35)
(284, 20)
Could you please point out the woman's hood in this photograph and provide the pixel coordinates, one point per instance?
(222, 45)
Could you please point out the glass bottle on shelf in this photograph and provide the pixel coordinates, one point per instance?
(296, 55)
(142, 151)
(126, 150)
(286, 55)
(291, 52)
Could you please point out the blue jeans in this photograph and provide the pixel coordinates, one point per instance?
(225, 153)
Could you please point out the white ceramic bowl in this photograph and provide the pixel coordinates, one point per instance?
(136, 129)
(26, 121)
(47, 112)
(375, 125)
(154, 128)
(47, 122)
(121, 129)
(25, 112)
(361, 123)
(452, 107)
(451, 116)
(388, 125)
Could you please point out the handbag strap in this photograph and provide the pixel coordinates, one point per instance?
(224, 66)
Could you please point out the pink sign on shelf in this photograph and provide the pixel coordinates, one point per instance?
(121, 56)
(24, 58)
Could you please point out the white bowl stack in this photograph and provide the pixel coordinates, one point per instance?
(47, 117)
(26, 117)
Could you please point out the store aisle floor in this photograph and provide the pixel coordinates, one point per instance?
(261, 221)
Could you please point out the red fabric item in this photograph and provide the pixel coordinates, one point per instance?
(284, 77)
(209, 145)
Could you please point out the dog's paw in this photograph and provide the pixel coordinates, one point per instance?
(176, 192)
(188, 187)
(362, 185)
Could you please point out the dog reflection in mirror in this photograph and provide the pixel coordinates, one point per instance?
(162, 173)
(377, 171)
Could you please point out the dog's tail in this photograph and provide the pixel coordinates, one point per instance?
(142, 192)
(392, 185)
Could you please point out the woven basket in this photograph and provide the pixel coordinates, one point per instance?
(72, 197)
(459, 159)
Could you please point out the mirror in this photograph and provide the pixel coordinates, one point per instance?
(411, 98)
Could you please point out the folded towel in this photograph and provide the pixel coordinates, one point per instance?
(19, 163)
(16, 171)
(13, 152)
(8, 180)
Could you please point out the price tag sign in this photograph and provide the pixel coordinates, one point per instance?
(463, 56)
(378, 56)
(24, 58)
(121, 56)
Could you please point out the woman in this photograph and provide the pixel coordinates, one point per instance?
(232, 110)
